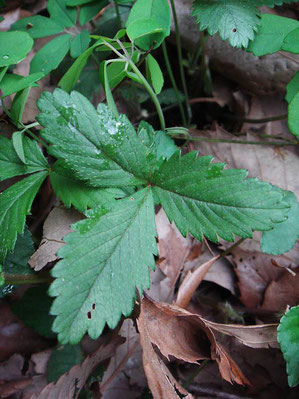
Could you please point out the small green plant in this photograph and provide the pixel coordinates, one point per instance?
(116, 174)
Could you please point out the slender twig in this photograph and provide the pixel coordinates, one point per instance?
(245, 142)
(232, 247)
(21, 279)
(180, 59)
(173, 82)
(250, 120)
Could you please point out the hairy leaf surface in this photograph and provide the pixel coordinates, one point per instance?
(288, 337)
(102, 149)
(15, 204)
(205, 199)
(71, 191)
(10, 163)
(105, 260)
(284, 235)
(235, 20)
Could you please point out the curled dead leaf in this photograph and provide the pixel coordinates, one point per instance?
(56, 226)
(188, 337)
(161, 382)
(192, 281)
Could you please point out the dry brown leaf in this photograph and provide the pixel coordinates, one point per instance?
(56, 226)
(221, 273)
(192, 281)
(282, 293)
(173, 250)
(70, 384)
(255, 272)
(13, 387)
(160, 381)
(40, 361)
(187, 336)
(277, 166)
(259, 336)
(124, 376)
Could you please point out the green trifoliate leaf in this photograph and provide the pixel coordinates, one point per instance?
(284, 235)
(61, 14)
(102, 149)
(10, 163)
(90, 10)
(292, 88)
(80, 43)
(50, 55)
(15, 204)
(156, 75)
(271, 34)
(149, 23)
(70, 78)
(293, 115)
(104, 261)
(12, 83)
(14, 47)
(290, 42)
(17, 142)
(235, 20)
(18, 105)
(207, 200)
(37, 26)
(288, 338)
(74, 192)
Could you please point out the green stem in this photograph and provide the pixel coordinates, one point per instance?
(36, 138)
(173, 82)
(150, 92)
(117, 14)
(21, 279)
(180, 58)
(249, 120)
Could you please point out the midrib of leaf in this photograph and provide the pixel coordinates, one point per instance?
(91, 142)
(209, 202)
(108, 259)
(20, 193)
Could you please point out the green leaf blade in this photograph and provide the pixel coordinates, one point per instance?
(15, 204)
(149, 23)
(14, 47)
(37, 26)
(101, 149)
(284, 235)
(271, 34)
(60, 13)
(118, 246)
(51, 55)
(73, 192)
(206, 200)
(288, 338)
(293, 115)
(79, 44)
(10, 163)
